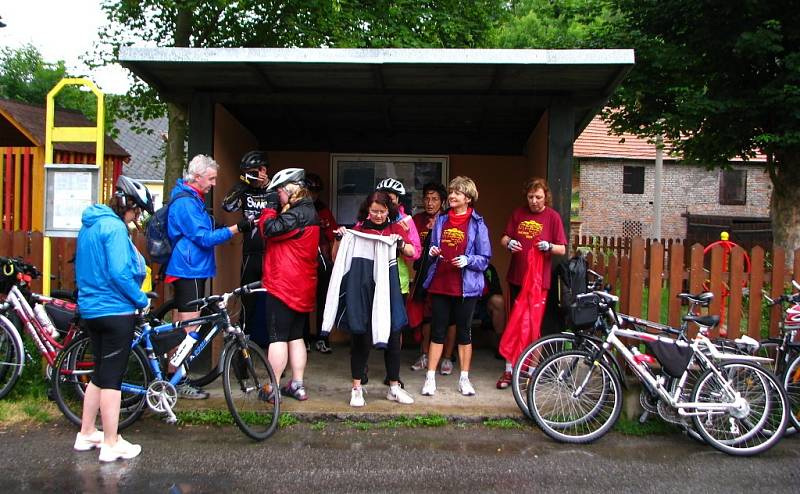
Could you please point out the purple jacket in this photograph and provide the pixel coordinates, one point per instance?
(479, 251)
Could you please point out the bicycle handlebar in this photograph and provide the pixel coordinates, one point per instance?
(242, 290)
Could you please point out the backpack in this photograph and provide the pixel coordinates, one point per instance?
(159, 247)
(572, 281)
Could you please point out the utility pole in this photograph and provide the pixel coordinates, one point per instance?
(656, 233)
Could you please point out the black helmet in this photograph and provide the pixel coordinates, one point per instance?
(130, 189)
(287, 176)
(254, 159)
(313, 182)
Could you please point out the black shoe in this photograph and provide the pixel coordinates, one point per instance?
(386, 382)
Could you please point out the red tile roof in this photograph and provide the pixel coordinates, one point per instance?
(595, 142)
(30, 119)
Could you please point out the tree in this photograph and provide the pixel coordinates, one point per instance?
(300, 23)
(719, 80)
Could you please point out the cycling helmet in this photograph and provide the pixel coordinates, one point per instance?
(391, 185)
(128, 188)
(287, 176)
(253, 159)
(313, 182)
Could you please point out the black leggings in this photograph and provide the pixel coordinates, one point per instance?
(360, 345)
(111, 338)
(446, 308)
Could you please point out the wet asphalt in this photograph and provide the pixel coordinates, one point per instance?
(341, 458)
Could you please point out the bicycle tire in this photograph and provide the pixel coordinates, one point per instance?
(763, 420)
(568, 418)
(12, 357)
(195, 378)
(791, 384)
(72, 373)
(247, 390)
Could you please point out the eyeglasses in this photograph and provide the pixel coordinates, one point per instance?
(378, 213)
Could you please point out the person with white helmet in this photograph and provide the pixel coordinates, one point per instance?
(109, 272)
(395, 189)
(290, 228)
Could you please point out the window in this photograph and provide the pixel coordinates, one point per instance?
(733, 187)
(355, 176)
(631, 229)
(633, 180)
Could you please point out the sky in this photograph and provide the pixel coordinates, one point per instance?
(61, 30)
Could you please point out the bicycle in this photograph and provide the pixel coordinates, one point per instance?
(736, 405)
(249, 384)
(785, 351)
(51, 323)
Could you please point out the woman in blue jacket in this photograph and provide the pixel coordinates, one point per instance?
(109, 272)
(461, 251)
(193, 236)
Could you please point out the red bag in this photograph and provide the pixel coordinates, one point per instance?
(525, 324)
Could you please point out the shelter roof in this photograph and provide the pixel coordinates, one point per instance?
(387, 100)
(24, 125)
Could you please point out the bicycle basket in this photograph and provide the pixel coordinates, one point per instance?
(673, 358)
(164, 342)
(585, 310)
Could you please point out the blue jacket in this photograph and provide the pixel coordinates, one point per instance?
(192, 227)
(108, 268)
(478, 251)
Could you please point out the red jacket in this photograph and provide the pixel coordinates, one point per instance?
(290, 256)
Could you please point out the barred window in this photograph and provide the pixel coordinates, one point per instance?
(633, 180)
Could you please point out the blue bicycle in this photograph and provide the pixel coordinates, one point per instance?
(249, 384)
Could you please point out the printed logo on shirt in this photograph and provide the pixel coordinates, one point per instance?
(422, 236)
(529, 229)
(452, 237)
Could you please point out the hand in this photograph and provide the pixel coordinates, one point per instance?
(514, 245)
(460, 261)
(394, 237)
(544, 246)
(245, 225)
(434, 251)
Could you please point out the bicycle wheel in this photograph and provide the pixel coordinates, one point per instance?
(791, 383)
(73, 371)
(770, 349)
(529, 360)
(11, 357)
(199, 376)
(249, 384)
(749, 429)
(573, 399)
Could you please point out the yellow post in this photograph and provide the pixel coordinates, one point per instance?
(72, 134)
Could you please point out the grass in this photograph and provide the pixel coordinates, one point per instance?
(224, 417)
(651, 427)
(429, 420)
(502, 424)
(27, 410)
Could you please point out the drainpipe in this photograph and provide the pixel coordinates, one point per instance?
(657, 187)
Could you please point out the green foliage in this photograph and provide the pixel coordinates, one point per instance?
(428, 420)
(635, 428)
(319, 426)
(32, 382)
(287, 419)
(502, 424)
(204, 417)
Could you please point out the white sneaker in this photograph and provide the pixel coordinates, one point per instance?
(465, 387)
(429, 388)
(446, 368)
(122, 450)
(400, 395)
(421, 363)
(357, 398)
(86, 443)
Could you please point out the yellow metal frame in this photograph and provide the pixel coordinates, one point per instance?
(94, 134)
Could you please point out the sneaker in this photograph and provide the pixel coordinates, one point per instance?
(122, 450)
(357, 398)
(296, 392)
(446, 368)
(189, 392)
(268, 395)
(85, 443)
(322, 347)
(421, 363)
(429, 388)
(399, 395)
(504, 381)
(386, 382)
(465, 387)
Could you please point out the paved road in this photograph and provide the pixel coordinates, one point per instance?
(467, 459)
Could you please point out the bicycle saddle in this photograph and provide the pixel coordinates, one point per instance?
(707, 321)
(701, 298)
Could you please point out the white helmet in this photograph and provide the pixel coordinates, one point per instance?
(133, 189)
(391, 185)
(287, 176)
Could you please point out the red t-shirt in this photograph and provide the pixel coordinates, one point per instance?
(422, 220)
(529, 228)
(392, 228)
(447, 280)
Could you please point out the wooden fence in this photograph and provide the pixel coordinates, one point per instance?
(646, 275)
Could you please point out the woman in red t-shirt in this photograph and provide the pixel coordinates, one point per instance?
(538, 226)
(373, 218)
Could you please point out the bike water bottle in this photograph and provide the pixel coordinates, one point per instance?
(185, 347)
(44, 320)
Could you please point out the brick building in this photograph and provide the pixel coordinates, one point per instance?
(617, 187)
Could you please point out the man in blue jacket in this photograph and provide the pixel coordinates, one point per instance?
(193, 236)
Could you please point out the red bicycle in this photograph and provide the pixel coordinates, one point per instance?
(51, 323)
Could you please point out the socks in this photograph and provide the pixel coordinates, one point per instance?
(509, 367)
(295, 384)
(395, 388)
(430, 374)
(464, 375)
